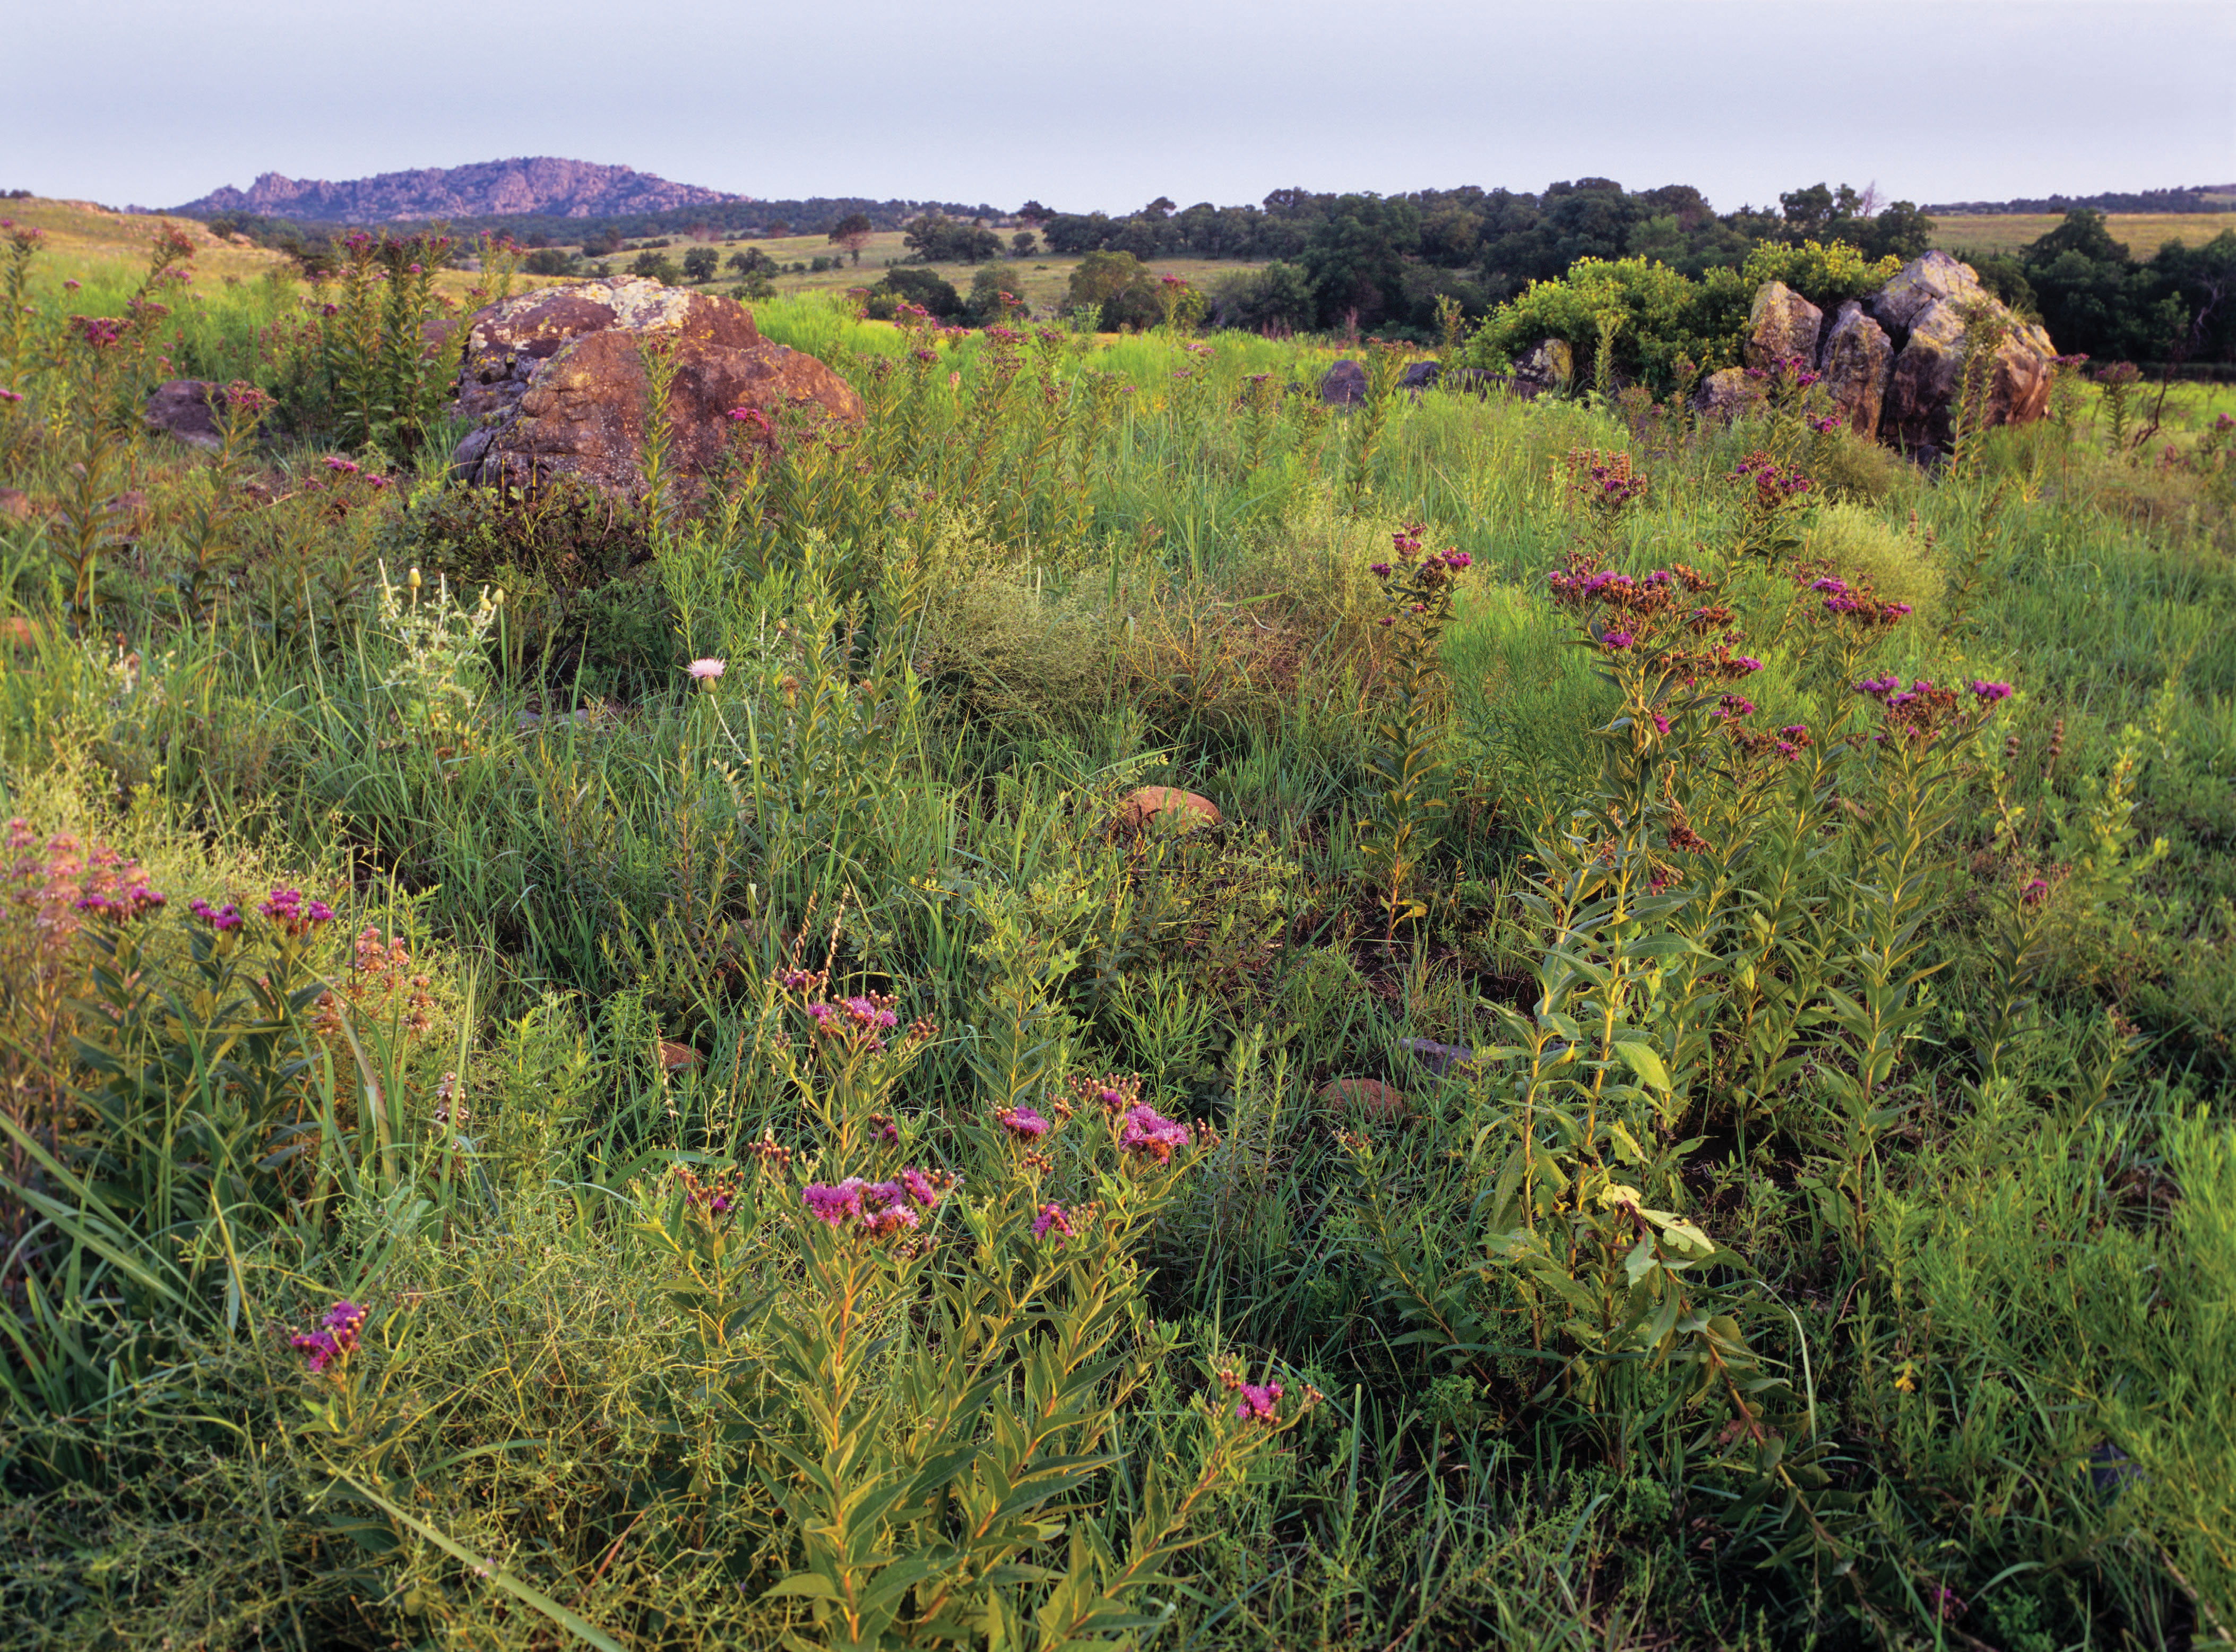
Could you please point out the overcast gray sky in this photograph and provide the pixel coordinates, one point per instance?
(157, 101)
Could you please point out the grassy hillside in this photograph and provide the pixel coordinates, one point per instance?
(645, 1072)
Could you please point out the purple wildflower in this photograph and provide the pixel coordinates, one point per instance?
(1056, 1217)
(1258, 1401)
(834, 1206)
(1148, 1132)
(1618, 640)
(1988, 693)
(1023, 1122)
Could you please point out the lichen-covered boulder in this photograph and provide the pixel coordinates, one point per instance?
(554, 380)
(1781, 326)
(1857, 356)
(1733, 392)
(1548, 365)
(1917, 286)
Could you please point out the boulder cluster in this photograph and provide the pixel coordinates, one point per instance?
(1894, 363)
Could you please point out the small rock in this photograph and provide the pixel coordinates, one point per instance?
(674, 1058)
(1189, 809)
(1344, 385)
(180, 410)
(1420, 375)
(1439, 1059)
(20, 633)
(1370, 1097)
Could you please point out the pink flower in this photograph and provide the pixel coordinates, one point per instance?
(706, 670)
(1988, 693)
(1023, 1122)
(834, 1206)
(1618, 640)
(1149, 1133)
(1258, 1401)
(2035, 892)
(335, 1337)
(1056, 1217)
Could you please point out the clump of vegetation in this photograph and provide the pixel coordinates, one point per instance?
(1116, 1008)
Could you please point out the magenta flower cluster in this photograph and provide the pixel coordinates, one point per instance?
(1023, 1122)
(1054, 1216)
(874, 1208)
(335, 1337)
(288, 908)
(220, 918)
(1259, 1401)
(1988, 693)
(1149, 1133)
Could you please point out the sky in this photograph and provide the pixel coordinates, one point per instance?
(154, 102)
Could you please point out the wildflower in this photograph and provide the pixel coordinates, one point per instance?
(927, 1190)
(1989, 693)
(1660, 724)
(1878, 688)
(883, 1131)
(1746, 662)
(1617, 640)
(706, 670)
(1056, 1217)
(1023, 1122)
(345, 467)
(1832, 584)
(223, 919)
(1380, 570)
(870, 1013)
(1732, 705)
(833, 1205)
(1149, 1133)
(2035, 892)
(336, 1336)
(1457, 560)
(70, 286)
(1257, 1402)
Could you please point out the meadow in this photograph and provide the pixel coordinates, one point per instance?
(643, 1074)
(2141, 232)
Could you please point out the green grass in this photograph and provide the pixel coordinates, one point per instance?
(1926, 1040)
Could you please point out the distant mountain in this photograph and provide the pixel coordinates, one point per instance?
(539, 184)
(2208, 197)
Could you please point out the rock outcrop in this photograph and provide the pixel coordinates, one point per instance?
(554, 380)
(1781, 326)
(1858, 356)
(1894, 364)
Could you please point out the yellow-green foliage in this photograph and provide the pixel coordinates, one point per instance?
(1823, 274)
(1862, 544)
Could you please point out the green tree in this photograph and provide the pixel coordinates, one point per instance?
(1118, 285)
(853, 233)
(1023, 244)
(658, 266)
(700, 263)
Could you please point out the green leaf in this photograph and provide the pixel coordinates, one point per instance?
(1642, 1060)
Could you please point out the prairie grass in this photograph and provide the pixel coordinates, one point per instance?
(1829, 1242)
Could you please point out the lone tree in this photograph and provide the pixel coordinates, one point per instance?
(852, 232)
(700, 263)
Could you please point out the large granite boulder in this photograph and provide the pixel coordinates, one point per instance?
(1549, 365)
(1858, 356)
(1782, 326)
(554, 380)
(1937, 312)
(1920, 283)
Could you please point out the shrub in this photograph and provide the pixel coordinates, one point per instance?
(658, 266)
(924, 288)
(700, 262)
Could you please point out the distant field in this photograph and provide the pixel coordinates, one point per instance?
(2144, 233)
(1042, 281)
